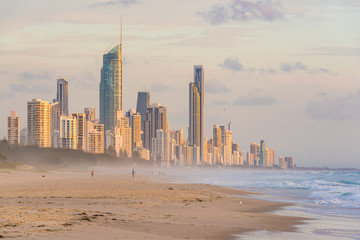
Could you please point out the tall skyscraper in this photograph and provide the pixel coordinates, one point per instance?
(262, 153)
(62, 96)
(143, 101)
(111, 87)
(13, 128)
(217, 138)
(155, 119)
(196, 135)
(39, 123)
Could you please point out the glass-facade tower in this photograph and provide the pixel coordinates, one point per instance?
(262, 153)
(143, 101)
(197, 111)
(111, 87)
(62, 96)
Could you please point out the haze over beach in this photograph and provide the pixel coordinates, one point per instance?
(169, 120)
(285, 71)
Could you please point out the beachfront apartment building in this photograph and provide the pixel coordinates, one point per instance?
(13, 128)
(68, 132)
(135, 125)
(39, 123)
(81, 130)
(155, 119)
(94, 137)
(160, 147)
(226, 137)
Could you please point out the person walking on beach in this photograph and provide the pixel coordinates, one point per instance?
(92, 174)
(133, 173)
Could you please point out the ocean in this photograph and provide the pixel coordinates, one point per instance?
(330, 198)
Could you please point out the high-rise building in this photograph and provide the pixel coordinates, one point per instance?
(143, 101)
(55, 115)
(155, 119)
(235, 147)
(236, 158)
(250, 159)
(282, 162)
(179, 155)
(62, 96)
(160, 147)
(81, 130)
(55, 123)
(217, 138)
(111, 87)
(135, 124)
(39, 123)
(271, 157)
(178, 136)
(172, 144)
(23, 136)
(227, 147)
(95, 137)
(262, 156)
(195, 155)
(123, 130)
(13, 128)
(290, 162)
(68, 132)
(235, 153)
(254, 151)
(242, 157)
(196, 135)
(90, 114)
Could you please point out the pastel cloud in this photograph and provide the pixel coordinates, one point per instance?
(242, 11)
(232, 64)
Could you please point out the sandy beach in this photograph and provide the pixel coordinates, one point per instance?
(72, 205)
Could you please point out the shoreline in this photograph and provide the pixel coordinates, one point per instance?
(72, 205)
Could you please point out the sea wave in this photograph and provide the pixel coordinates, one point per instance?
(330, 188)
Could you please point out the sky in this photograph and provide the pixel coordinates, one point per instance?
(287, 72)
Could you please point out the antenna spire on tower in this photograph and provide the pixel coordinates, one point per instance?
(121, 31)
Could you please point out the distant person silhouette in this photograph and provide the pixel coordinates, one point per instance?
(92, 174)
(133, 173)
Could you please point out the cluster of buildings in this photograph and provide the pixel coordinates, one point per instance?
(142, 132)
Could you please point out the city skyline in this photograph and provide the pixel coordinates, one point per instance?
(293, 96)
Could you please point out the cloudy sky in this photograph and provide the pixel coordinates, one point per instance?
(287, 72)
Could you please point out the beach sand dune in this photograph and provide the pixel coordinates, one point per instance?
(75, 206)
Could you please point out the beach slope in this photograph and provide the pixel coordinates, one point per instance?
(72, 205)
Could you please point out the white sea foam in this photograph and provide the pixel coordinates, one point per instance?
(334, 188)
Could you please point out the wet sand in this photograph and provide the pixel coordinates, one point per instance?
(69, 205)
